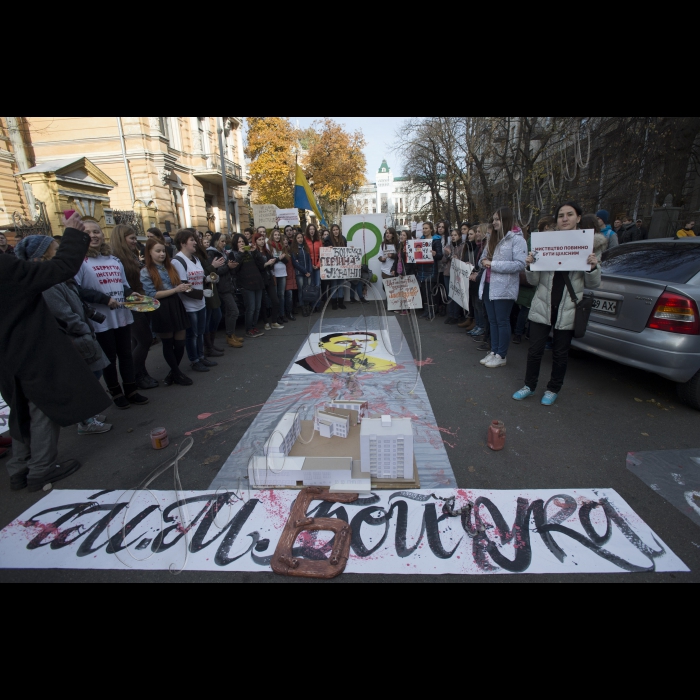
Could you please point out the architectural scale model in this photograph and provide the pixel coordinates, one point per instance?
(386, 446)
(299, 471)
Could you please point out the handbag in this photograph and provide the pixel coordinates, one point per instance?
(311, 294)
(583, 309)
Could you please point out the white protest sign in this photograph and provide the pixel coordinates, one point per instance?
(341, 263)
(4, 416)
(403, 293)
(459, 283)
(562, 251)
(419, 252)
(288, 217)
(265, 215)
(366, 231)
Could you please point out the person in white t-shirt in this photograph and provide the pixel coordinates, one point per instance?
(191, 271)
(102, 278)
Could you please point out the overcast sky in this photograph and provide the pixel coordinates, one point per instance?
(380, 133)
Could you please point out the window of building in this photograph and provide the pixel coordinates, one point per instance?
(163, 124)
(203, 128)
(174, 130)
(385, 204)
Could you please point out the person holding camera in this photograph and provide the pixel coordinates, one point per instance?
(44, 380)
(104, 276)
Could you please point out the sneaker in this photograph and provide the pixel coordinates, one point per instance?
(475, 332)
(257, 333)
(182, 379)
(100, 418)
(517, 339)
(276, 326)
(137, 400)
(146, 382)
(523, 394)
(93, 427)
(549, 398)
(268, 327)
(484, 347)
(488, 358)
(57, 473)
(479, 338)
(207, 362)
(199, 367)
(169, 380)
(121, 402)
(496, 361)
(18, 481)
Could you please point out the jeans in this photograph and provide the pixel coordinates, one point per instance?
(253, 301)
(522, 320)
(141, 339)
(281, 293)
(480, 314)
(289, 302)
(116, 343)
(231, 312)
(539, 335)
(41, 454)
(359, 290)
(316, 282)
(499, 318)
(338, 288)
(213, 320)
(195, 334)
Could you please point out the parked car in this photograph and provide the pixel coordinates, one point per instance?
(646, 312)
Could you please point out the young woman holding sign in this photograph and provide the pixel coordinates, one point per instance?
(503, 259)
(554, 307)
(337, 240)
(452, 251)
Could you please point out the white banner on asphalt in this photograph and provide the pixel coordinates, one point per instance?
(562, 251)
(403, 293)
(500, 532)
(459, 283)
(341, 263)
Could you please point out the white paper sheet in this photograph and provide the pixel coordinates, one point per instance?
(562, 251)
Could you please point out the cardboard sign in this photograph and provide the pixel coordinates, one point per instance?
(341, 263)
(403, 293)
(459, 283)
(419, 252)
(288, 217)
(265, 215)
(562, 251)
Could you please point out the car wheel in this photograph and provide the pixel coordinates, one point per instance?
(689, 393)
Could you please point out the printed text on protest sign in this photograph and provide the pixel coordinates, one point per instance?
(562, 251)
(403, 293)
(459, 283)
(341, 263)
(419, 252)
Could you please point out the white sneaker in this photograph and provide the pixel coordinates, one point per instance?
(488, 358)
(496, 361)
(277, 326)
(267, 327)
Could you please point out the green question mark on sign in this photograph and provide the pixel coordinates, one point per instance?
(368, 227)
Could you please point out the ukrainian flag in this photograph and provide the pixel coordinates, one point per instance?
(304, 197)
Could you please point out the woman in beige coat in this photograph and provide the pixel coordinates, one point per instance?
(554, 307)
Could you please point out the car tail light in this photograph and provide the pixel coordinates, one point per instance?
(675, 313)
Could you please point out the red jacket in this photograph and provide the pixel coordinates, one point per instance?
(314, 251)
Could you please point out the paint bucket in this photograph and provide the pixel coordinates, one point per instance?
(159, 439)
(497, 436)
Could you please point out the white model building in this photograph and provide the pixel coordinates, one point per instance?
(284, 436)
(360, 407)
(387, 447)
(332, 424)
(299, 471)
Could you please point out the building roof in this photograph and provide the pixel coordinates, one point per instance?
(376, 426)
(52, 166)
(383, 168)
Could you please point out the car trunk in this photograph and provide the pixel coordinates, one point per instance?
(626, 302)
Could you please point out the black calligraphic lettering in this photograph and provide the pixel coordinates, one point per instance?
(87, 546)
(233, 530)
(197, 544)
(402, 550)
(160, 544)
(53, 529)
(366, 517)
(431, 524)
(115, 542)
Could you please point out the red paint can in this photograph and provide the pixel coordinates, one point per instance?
(159, 439)
(497, 436)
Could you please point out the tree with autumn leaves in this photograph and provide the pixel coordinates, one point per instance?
(332, 159)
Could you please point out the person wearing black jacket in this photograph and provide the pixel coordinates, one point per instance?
(249, 276)
(226, 287)
(43, 378)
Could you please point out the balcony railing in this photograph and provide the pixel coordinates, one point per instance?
(213, 167)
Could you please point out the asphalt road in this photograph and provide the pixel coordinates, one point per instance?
(581, 442)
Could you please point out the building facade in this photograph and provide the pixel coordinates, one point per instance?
(387, 447)
(284, 436)
(167, 171)
(403, 200)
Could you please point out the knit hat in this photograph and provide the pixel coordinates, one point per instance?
(604, 216)
(32, 248)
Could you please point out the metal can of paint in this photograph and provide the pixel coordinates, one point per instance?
(159, 439)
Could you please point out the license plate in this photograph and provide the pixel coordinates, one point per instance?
(603, 306)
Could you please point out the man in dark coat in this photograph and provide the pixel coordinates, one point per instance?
(42, 376)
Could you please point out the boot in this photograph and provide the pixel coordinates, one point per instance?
(130, 390)
(465, 323)
(214, 345)
(334, 304)
(341, 305)
(233, 342)
(120, 401)
(209, 350)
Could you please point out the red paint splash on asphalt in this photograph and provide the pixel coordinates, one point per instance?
(424, 363)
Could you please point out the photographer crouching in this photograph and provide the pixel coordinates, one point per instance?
(43, 378)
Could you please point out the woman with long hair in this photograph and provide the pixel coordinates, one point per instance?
(314, 245)
(211, 295)
(337, 240)
(249, 277)
(125, 246)
(260, 245)
(301, 259)
(279, 252)
(170, 322)
(226, 287)
(503, 259)
(554, 309)
(426, 274)
(389, 253)
(103, 274)
(452, 251)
